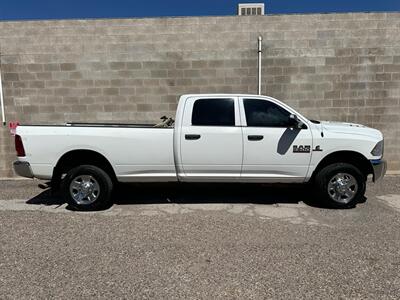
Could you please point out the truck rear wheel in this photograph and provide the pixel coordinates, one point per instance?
(87, 188)
(340, 185)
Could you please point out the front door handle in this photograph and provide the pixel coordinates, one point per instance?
(255, 137)
(192, 136)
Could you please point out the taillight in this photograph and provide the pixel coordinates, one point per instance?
(19, 146)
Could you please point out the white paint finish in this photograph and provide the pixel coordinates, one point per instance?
(42, 171)
(217, 154)
(343, 137)
(134, 157)
(273, 156)
(154, 154)
(148, 176)
(272, 159)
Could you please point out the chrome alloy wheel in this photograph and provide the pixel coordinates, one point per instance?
(84, 189)
(342, 188)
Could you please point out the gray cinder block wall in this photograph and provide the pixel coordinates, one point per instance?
(343, 67)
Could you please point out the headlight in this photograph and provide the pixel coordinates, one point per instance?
(378, 149)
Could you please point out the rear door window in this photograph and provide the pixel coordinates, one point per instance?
(213, 112)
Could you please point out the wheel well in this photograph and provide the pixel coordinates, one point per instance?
(354, 158)
(76, 158)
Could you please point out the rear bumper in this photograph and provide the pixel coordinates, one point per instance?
(23, 168)
(379, 167)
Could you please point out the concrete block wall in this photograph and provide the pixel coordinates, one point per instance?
(343, 67)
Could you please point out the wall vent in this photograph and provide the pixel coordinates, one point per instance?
(251, 9)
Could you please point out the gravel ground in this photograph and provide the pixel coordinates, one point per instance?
(196, 241)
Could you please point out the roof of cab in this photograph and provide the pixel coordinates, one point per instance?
(224, 94)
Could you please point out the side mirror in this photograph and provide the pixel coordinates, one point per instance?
(295, 122)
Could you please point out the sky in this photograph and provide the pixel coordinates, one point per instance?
(75, 9)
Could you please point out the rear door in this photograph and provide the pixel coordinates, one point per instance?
(274, 151)
(211, 139)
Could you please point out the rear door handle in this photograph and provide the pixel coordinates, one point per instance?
(192, 136)
(255, 137)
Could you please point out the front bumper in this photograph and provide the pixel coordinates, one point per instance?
(379, 167)
(23, 168)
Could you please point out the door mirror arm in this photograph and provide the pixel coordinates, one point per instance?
(296, 123)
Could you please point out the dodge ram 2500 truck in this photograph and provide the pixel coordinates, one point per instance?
(215, 138)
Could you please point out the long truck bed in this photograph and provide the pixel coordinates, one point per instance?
(136, 152)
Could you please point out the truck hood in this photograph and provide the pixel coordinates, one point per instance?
(351, 128)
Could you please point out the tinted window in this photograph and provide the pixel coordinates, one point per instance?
(214, 112)
(263, 113)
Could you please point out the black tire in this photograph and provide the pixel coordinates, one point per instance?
(327, 192)
(100, 185)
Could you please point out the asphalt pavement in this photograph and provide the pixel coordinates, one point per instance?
(200, 242)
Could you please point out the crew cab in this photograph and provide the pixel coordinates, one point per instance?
(214, 138)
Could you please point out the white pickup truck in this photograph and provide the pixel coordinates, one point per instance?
(215, 138)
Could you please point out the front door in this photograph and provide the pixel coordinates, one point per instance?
(274, 151)
(211, 140)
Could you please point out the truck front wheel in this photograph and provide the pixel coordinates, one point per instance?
(87, 188)
(340, 185)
